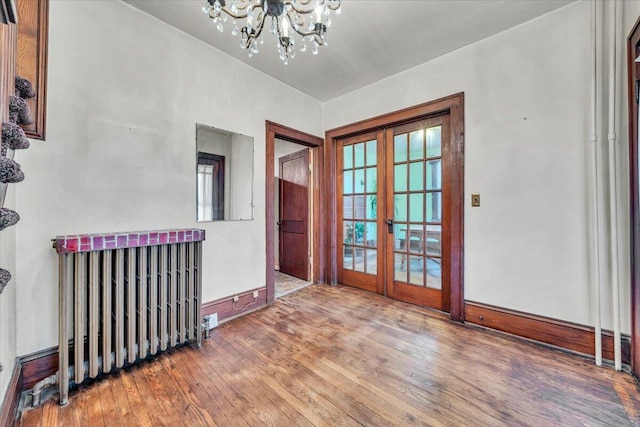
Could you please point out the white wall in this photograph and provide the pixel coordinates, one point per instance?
(8, 296)
(526, 126)
(124, 94)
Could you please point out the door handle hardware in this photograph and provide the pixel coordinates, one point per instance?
(390, 225)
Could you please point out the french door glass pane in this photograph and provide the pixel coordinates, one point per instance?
(348, 182)
(416, 270)
(371, 261)
(360, 207)
(348, 157)
(372, 158)
(347, 235)
(416, 145)
(347, 263)
(433, 206)
(372, 206)
(359, 232)
(358, 259)
(434, 273)
(400, 207)
(416, 207)
(434, 144)
(400, 177)
(433, 241)
(400, 272)
(371, 234)
(400, 148)
(434, 175)
(372, 183)
(416, 181)
(359, 155)
(359, 181)
(347, 207)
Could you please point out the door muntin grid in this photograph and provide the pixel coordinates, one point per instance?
(359, 208)
(417, 199)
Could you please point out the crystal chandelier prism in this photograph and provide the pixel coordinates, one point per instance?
(304, 20)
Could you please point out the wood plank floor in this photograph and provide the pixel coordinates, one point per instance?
(337, 356)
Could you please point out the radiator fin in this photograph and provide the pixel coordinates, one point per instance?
(119, 306)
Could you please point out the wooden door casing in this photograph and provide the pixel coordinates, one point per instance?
(294, 214)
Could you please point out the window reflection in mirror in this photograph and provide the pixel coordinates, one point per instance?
(224, 175)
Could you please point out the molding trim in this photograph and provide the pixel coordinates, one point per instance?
(9, 407)
(37, 366)
(566, 335)
(227, 310)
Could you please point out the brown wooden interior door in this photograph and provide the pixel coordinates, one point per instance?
(417, 203)
(294, 214)
(360, 223)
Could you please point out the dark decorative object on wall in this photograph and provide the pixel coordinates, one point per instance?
(19, 111)
(5, 276)
(24, 88)
(13, 137)
(10, 171)
(8, 218)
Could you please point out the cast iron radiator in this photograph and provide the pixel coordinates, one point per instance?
(124, 297)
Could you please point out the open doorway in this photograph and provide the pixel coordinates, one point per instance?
(293, 215)
(294, 243)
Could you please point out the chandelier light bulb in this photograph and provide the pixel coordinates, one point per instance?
(307, 20)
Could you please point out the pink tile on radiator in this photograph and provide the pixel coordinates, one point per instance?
(143, 239)
(122, 241)
(71, 245)
(173, 237)
(98, 243)
(164, 237)
(133, 240)
(180, 236)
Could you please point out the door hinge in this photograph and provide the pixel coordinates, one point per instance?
(637, 91)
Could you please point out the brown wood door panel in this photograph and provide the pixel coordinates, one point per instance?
(428, 297)
(357, 280)
(294, 214)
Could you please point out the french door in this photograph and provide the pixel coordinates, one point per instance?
(394, 212)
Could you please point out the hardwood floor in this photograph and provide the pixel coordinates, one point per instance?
(339, 356)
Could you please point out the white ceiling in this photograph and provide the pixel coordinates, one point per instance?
(368, 41)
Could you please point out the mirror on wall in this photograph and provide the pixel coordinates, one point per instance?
(224, 175)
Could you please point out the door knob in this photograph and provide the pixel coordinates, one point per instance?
(390, 225)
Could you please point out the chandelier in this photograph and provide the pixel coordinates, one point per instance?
(305, 20)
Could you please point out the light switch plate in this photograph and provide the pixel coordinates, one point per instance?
(475, 200)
